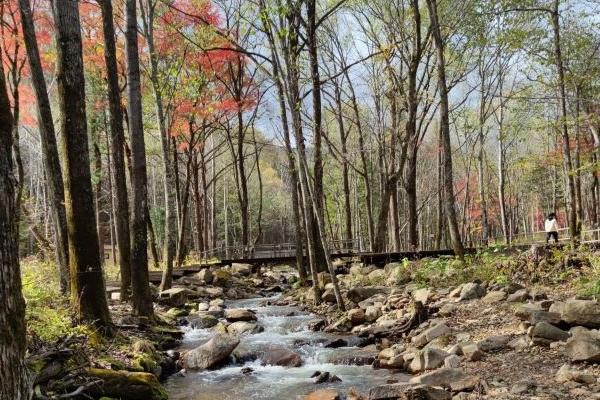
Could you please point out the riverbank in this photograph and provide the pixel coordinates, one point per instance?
(497, 327)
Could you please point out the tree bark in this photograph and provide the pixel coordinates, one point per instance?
(16, 383)
(54, 178)
(117, 143)
(142, 300)
(88, 295)
(449, 198)
(572, 196)
(170, 241)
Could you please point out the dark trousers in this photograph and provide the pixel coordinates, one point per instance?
(553, 235)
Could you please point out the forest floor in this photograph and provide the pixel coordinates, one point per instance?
(500, 326)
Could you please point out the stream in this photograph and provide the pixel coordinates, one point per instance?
(287, 327)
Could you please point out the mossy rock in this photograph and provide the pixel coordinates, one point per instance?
(145, 363)
(126, 385)
(221, 277)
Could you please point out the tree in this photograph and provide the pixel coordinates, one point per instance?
(445, 130)
(49, 147)
(117, 146)
(141, 296)
(88, 294)
(16, 383)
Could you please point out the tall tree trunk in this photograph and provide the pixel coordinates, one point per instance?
(142, 299)
(117, 143)
(572, 196)
(311, 9)
(88, 295)
(54, 179)
(16, 383)
(169, 162)
(449, 198)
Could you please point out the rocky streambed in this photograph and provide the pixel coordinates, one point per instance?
(278, 357)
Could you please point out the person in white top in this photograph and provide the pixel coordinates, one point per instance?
(551, 228)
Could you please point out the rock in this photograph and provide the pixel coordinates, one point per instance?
(356, 316)
(557, 307)
(518, 296)
(430, 334)
(203, 306)
(429, 358)
(241, 269)
(328, 296)
(341, 325)
(372, 313)
(440, 377)
(281, 357)
(239, 314)
(471, 291)
(323, 394)
(176, 297)
(377, 277)
(202, 321)
(422, 295)
(214, 291)
(323, 278)
(447, 309)
(494, 343)
(581, 348)
(519, 343)
(316, 324)
(537, 316)
(125, 385)
(211, 353)
(353, 356)
(544, 333)
(240, 328)
(582, 312)
(524, 311)
(246, 370)
(221, 278)
(325, 377)
(452, 361)
(360, 293)
(143, 346)
(407, 391)
(205, 275)
(494, 297)
(217, 303)
(566, 374)
(472, 351)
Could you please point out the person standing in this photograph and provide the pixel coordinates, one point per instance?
(551, 228)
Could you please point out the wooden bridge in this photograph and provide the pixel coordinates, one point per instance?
(352, 250)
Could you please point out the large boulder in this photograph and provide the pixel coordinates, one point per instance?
(175, 297)
(281, 357)
(323, 394)
(544, 333)
(241, 269)
(431, 333)
(440, 377)
(494, 343)
(211, 353)
(239, 314)
(472, 290)
(582, 312)
(360, 293)
(408, 391)
(205, 275)
(202, 320)
(429, 358)
(356, 316)
(125, 385)
(240, 328)
(583, 348)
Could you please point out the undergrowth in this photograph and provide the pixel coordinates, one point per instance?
(48, 313)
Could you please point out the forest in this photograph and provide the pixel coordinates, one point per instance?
(173, 171)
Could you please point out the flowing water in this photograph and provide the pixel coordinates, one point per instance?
(283, 327)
